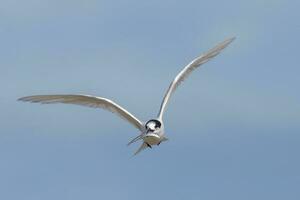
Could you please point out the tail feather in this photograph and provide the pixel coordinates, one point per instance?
(139, 137)
(142, 147)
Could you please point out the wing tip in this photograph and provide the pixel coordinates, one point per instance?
(31, 99)
(23, 99)
(232, 38)
(229, 40)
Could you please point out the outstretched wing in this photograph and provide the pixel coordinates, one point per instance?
(188, 69)
(86, 100)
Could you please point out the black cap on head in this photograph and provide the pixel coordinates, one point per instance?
(157, 123)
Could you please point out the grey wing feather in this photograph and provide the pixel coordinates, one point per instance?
(188, 69)
(86, 100)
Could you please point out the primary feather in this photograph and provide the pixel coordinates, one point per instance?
(187, 70)
(87, 100)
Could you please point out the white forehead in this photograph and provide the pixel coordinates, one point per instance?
(151, 125)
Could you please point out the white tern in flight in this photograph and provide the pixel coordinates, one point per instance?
(151, 132)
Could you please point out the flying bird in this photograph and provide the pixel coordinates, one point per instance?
(152, 131)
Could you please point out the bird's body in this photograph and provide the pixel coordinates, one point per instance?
(151, 132)
(154, 132)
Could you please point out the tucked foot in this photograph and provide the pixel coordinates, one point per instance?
(149, 145)
(158, 144)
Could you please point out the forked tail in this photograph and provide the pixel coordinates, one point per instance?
(142, 147)
(139, 137)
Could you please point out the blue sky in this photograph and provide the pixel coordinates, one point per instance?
(233, 125)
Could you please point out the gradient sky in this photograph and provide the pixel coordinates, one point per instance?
(233, 125)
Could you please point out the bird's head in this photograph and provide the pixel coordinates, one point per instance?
(153, 126)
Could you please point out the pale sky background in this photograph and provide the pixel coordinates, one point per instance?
(233, 125)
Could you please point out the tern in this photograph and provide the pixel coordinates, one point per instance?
(152, 131)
